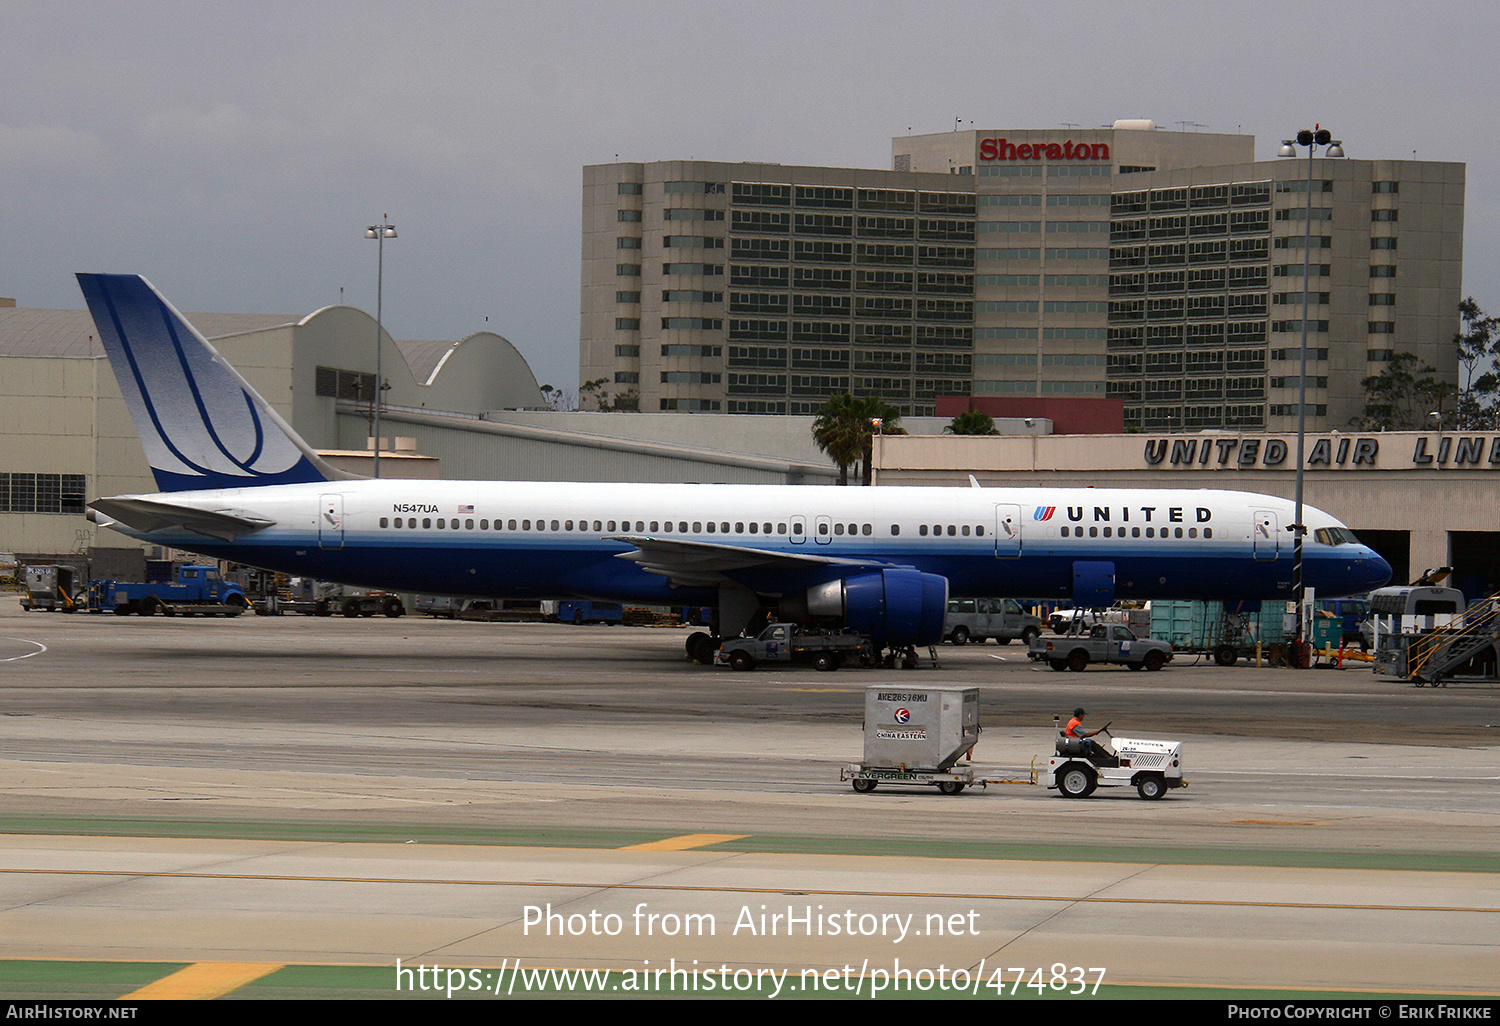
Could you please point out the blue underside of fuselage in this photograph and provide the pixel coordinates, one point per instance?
(590, 568)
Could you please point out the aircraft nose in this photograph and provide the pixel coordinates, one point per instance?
(1374, 570)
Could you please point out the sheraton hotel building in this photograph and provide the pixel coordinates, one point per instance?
(1162, 271)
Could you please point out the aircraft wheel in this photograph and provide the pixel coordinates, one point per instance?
(863, 786)
(1076, 781)
(1151, 788)
(950, 787)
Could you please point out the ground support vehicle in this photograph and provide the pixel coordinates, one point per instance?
(1229, 631)
(916, 736)
(1104, 643)
(324, 598)
(576, 611)
(977, 619)
(1079, 766)
(1467, 650)
(196, 591)
(1401, 616)
(55, 586)
(791, 643)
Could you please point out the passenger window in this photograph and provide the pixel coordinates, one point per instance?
(895, 530)
(682, 526)
(922, 530)
(382, 521)
(426, 523)
(966, 530)
(754, 527)
(1093, 532)
(1135, 532)
(952, 531)
(442, 523)
(838, 529)
(412, 523)
(484, 525)
(697, 527)
(979, 530)
(1179, 532)
(468, 525)
(1208, 532)
(739, 528)
(781, 528)
(1108, 532)
(1192, 532)
(724, 527)
(710, 527)
(867, 530)
(766, 529)
(654, 526)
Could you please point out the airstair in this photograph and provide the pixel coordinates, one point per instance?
(1467, 649)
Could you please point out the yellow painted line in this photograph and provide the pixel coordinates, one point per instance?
(683, 843)
(203, 981)
(1278, 822)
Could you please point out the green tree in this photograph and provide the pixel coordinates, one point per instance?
(845, 426)
(593, 393)
(972, 422)
(1478, 344)
(1400, 397)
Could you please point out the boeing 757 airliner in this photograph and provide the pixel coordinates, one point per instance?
(238, 483)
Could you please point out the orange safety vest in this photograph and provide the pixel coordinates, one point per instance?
(1073, 726)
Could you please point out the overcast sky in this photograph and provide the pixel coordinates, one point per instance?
(234, 152)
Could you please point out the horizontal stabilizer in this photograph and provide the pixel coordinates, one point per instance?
(148, 515)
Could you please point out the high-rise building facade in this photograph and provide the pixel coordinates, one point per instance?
(1160, 268)
(758, 288)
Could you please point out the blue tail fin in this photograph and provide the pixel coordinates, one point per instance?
(202, 425)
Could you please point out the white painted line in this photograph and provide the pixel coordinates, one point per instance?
(40, 648)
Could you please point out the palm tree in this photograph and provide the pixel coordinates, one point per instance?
(844, 428)
(972, 422)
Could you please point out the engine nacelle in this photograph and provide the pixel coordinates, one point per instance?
(896, 607)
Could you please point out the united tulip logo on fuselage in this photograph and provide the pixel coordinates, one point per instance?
(1044, 513)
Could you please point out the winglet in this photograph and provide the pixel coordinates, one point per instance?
(201, 424)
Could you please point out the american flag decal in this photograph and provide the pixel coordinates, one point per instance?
(466, 509)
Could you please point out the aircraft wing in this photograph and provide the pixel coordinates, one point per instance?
(707, 564)
(148, 515)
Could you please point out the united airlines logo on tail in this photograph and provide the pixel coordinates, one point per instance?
(1044, 513)
(200, 424)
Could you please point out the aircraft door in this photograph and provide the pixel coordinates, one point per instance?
(823, 531)
(330, 521)
(1007, 531)
(1266, 535)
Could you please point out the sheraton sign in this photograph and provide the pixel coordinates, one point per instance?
(1003, 149)
(1328, 452)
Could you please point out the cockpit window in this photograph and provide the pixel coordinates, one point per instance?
(1335, 536)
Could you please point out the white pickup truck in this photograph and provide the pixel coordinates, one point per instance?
(1103, 643)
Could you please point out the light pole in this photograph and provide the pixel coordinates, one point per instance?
(378, 232)
(1312, 139)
